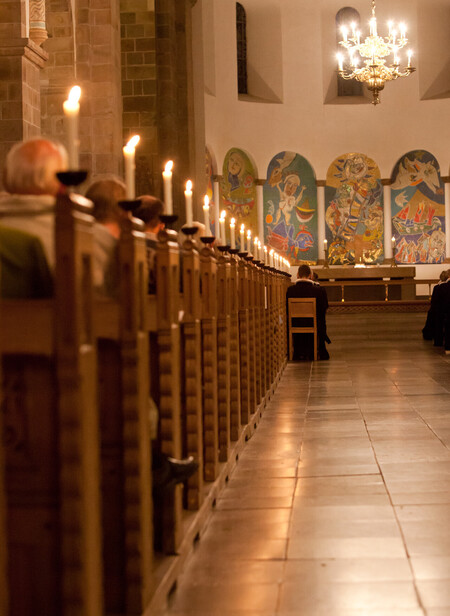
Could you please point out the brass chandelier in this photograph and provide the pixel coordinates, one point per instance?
(373, 50)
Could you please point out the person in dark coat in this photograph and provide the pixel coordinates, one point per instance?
(306, 287)
(434, 326)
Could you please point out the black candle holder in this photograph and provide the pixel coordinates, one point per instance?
(249, 257)
(189, 230)
(233, 251)
(207, 239)
(224, 248)
(168, 219)
(72, 177)
(129, 205)
(242, 254)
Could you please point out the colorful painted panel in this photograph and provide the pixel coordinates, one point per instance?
(290, 208)
(418, 209)
(238, 190)
(354, 211)
(210, 188)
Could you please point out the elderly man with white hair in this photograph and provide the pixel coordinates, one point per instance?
(29, 178)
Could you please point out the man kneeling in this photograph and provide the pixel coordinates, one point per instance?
(306, 287)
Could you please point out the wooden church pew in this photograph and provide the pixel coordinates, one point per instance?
(51, 455)
(223, 354)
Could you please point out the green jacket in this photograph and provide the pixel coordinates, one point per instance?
(24, 271)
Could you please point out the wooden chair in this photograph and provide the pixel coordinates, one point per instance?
(303, 308)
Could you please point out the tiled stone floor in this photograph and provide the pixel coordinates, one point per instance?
(340, 504)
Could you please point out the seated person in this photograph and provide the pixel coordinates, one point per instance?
(24, 271)
(149, 212)
(105, 194)
(434, 326)
(31, 185)
(305, 287)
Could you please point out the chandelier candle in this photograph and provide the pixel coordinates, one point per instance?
(71, 108)
(374, 51)
(129, 155)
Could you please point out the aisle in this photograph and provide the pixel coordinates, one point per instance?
(340, 504)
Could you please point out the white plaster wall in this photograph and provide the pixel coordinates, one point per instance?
(302, 121)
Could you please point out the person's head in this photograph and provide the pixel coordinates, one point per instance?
(304, 271)
(149, 212)
(197, 235)
(291, 184)
(314, 276)
(235, 163)
(31, 165)
(105, 195)
(444, 275)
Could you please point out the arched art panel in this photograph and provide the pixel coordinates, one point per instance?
(290, 208)
(418, 209)
(238, 189)
(354, 211)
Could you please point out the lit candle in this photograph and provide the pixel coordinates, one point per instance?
(71, 109)
(261, 252)
(223, 236)
(353, 29)
(344, 33)
(409, 57)
(394, 34)
(396, 59)
(393, 242)
(340, 60)
(255, 246)
(167, 179)
(402, 31)
(373, 26)
(325, 245)
(266, 257)
(271, 257)
(232, 236)
(242, 234)
(206, 215)
(249, 242)
(129, 154)
(358, 37)
(390, 24)
(188, 201)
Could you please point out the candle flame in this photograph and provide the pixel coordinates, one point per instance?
(223, 214)
(188, 186)
(232, 222)
(132, 143)
(249, 234)
(242, 228)
(271, 251)
(169, 166)
(265, 248)
(74, 95)
(206, 201)
(255, 240)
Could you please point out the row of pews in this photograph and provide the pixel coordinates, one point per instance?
(81, 531)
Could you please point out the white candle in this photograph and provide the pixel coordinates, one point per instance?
(129, 154)
(167, 179)
(402, 31)
(206, 215)
(340, 60)
(255, 247)
(249, 242)
(223, 236)
(271, 257)
(188, 201)
(409, 57)
(71, 109)
(261, 252)
(242, 234)
(344, 33)
(393, 242)
(233, 239)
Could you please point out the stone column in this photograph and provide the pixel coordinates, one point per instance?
(21, 61)
(216, 180)
(388, 253)
(320, 219)
(38, 31)
(260, 208)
